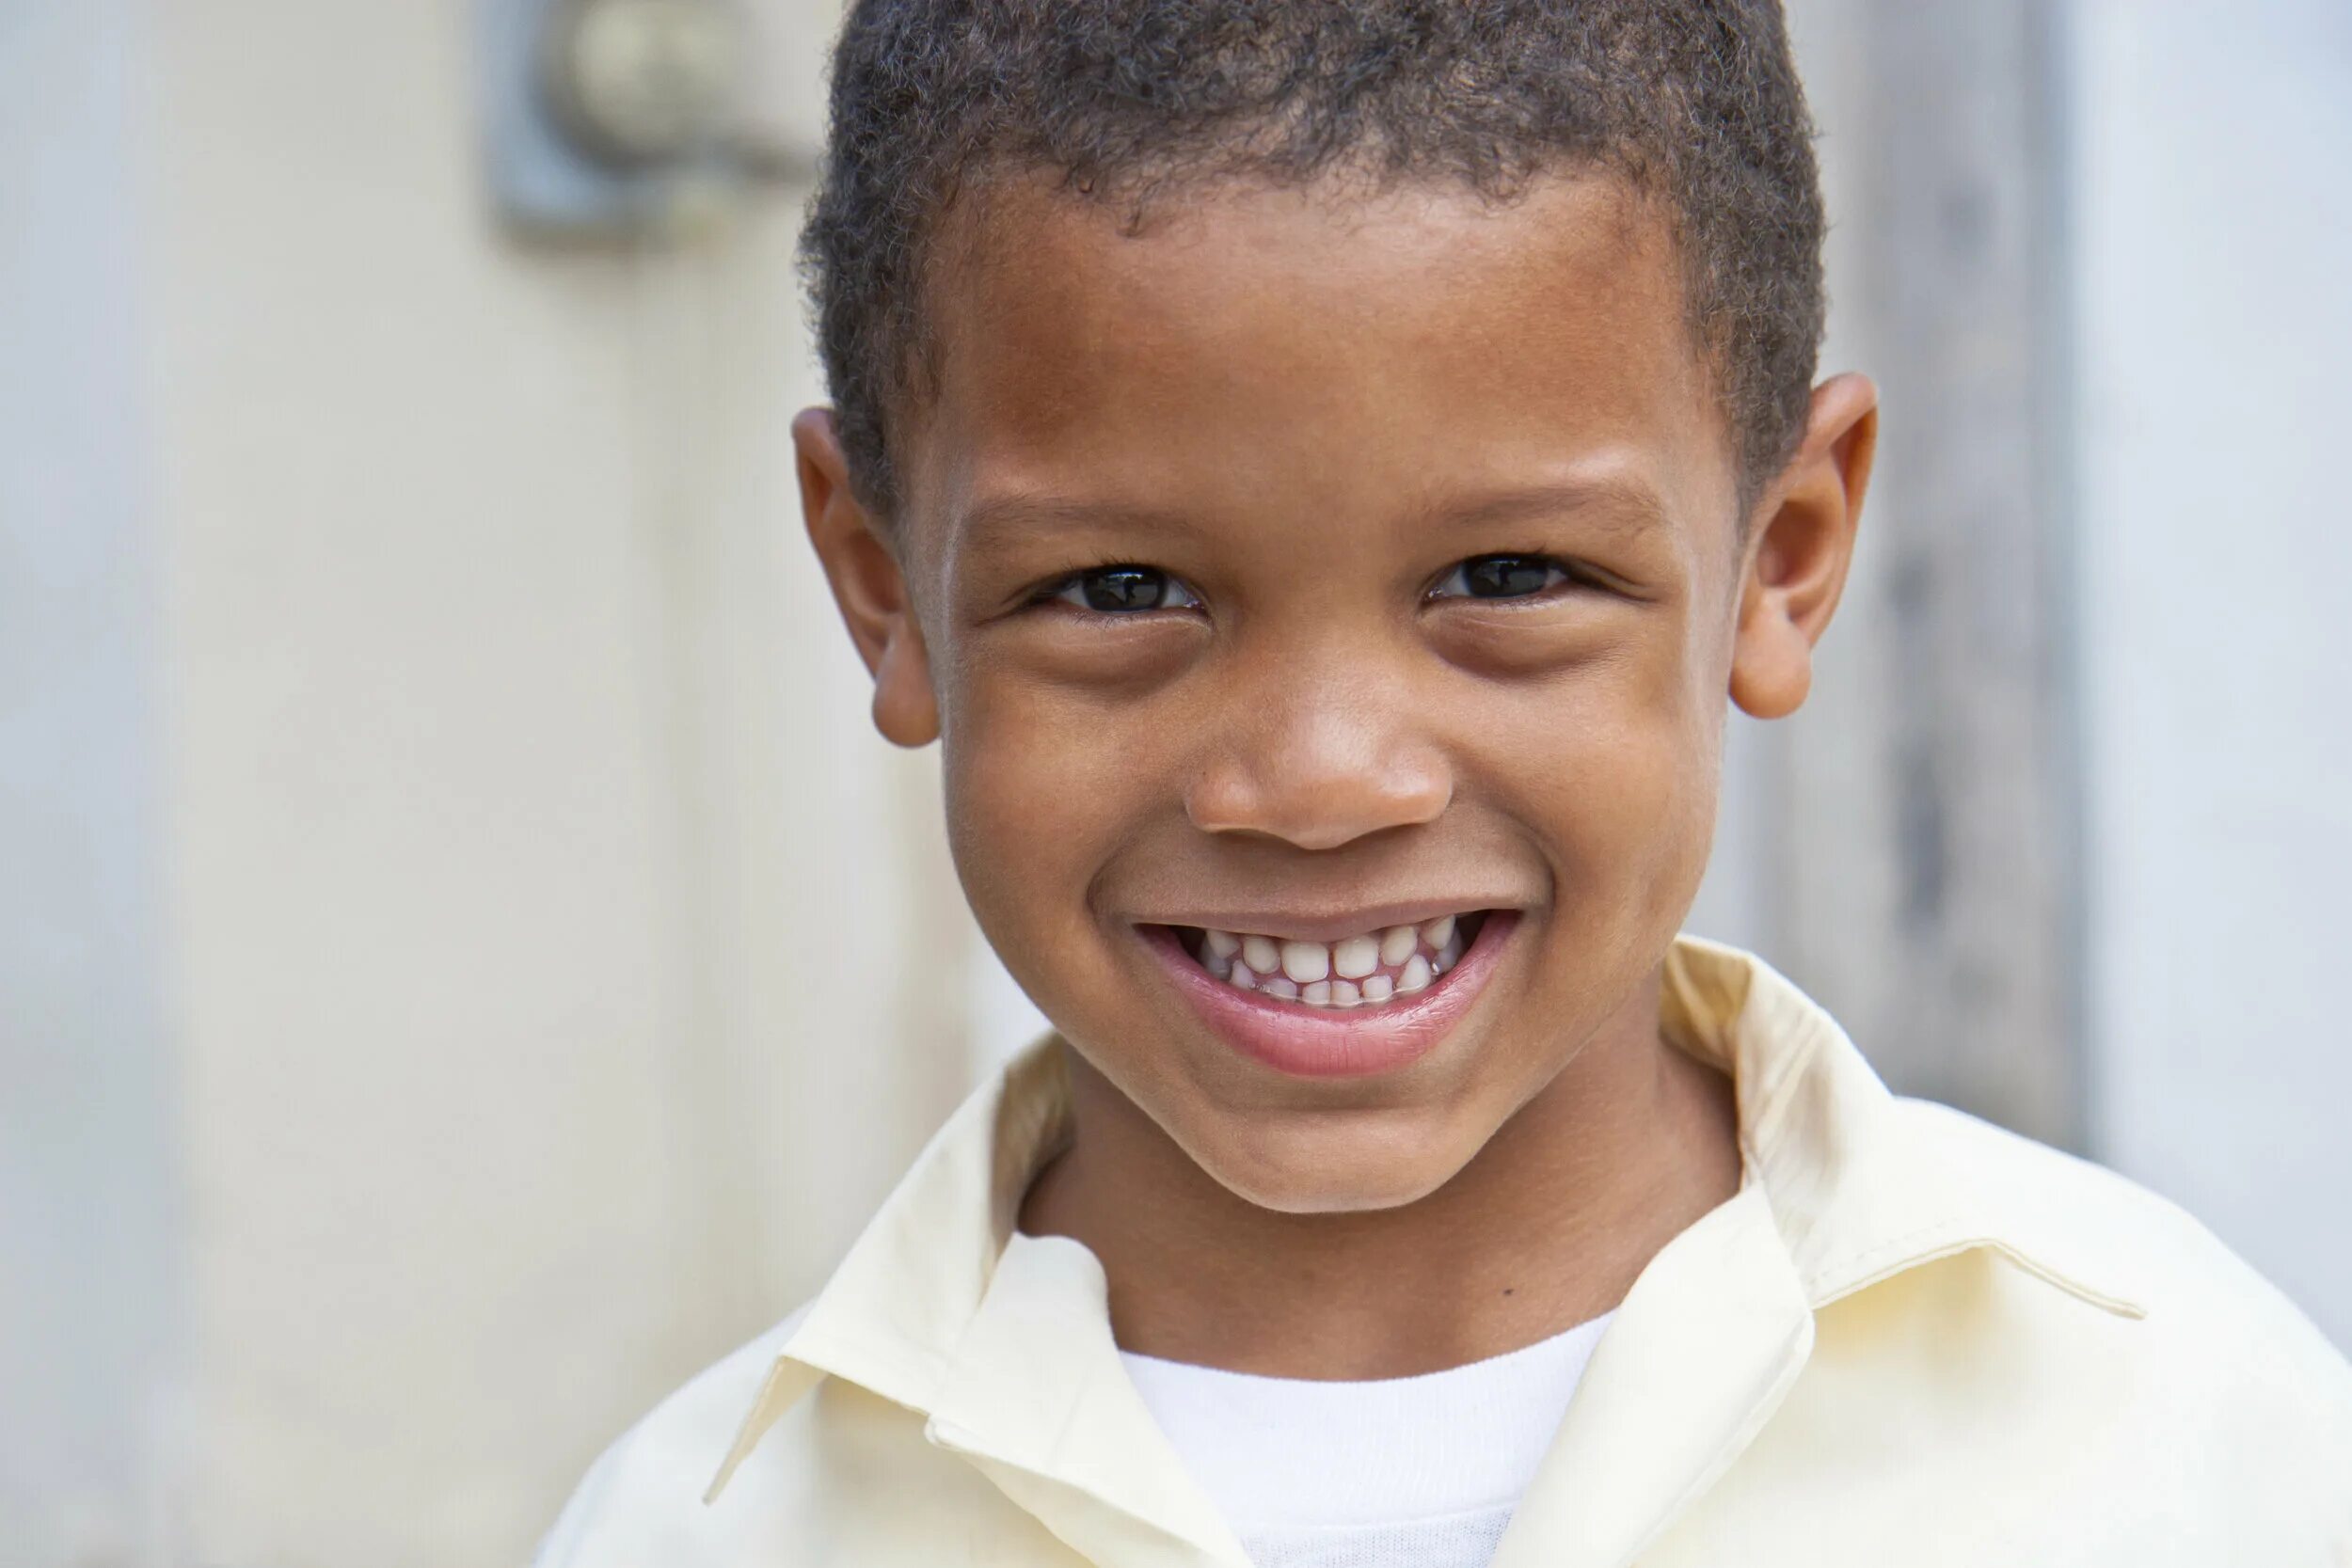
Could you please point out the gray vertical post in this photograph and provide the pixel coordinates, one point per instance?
(1925, 873)
(88, 1304)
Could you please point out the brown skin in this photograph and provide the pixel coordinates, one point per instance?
(1307, 406)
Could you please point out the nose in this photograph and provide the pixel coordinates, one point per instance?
(1319, 759)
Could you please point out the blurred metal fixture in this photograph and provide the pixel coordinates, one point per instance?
(620, 119)
(644, 83)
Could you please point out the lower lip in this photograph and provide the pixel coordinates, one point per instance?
(1335, 1042)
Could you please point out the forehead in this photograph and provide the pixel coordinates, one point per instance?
(1251, 349)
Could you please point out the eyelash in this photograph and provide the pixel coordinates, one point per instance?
(1559, 575)
(1171, 584)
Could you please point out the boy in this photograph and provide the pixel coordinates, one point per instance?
(1319, 471)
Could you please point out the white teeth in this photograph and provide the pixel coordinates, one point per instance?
(1305, 962)
(1357, 970)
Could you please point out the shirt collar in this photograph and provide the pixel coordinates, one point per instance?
(1857, 1193)
(1841, 1192)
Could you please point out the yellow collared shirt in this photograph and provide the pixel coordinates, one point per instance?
(1909, 1339)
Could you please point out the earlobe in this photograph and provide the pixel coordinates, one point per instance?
(1801, 547)
(868, 583)
(905, 710)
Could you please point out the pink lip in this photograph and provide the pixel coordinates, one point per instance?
(1324, 1042)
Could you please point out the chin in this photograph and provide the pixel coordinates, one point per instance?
(1356, 1171)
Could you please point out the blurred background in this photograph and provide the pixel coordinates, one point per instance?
(465, 962)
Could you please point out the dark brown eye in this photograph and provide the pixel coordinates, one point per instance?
(1124, 591)
(1499, 576)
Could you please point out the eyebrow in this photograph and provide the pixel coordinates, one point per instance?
(995, 515)
(1624, 506)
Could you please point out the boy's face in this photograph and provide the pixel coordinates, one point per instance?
(1306, 568)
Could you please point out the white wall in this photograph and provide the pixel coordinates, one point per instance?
(548, 967)
(2211, 189)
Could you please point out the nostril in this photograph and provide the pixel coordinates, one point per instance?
(1319, 803)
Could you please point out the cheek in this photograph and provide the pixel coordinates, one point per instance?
(1626, 783)
(1036, 795)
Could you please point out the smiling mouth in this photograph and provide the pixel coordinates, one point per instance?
(1370, 970)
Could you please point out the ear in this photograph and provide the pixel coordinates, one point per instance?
(1801, 546)
(868, 584)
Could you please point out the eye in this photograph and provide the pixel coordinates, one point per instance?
(1501, 577)
(1123, 590)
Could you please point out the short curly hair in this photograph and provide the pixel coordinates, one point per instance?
(1695, 103)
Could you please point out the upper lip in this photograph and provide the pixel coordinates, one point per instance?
(1324, 924)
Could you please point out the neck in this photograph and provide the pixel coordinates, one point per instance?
(1545, 1228)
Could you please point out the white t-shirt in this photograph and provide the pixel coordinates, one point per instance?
(1409, 1472)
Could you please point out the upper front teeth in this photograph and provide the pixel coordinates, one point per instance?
(1357, 970)
(1306, 961)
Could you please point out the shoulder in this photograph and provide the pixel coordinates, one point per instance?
(642, 1500)
(2206, 1351)
(2106, 1230)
